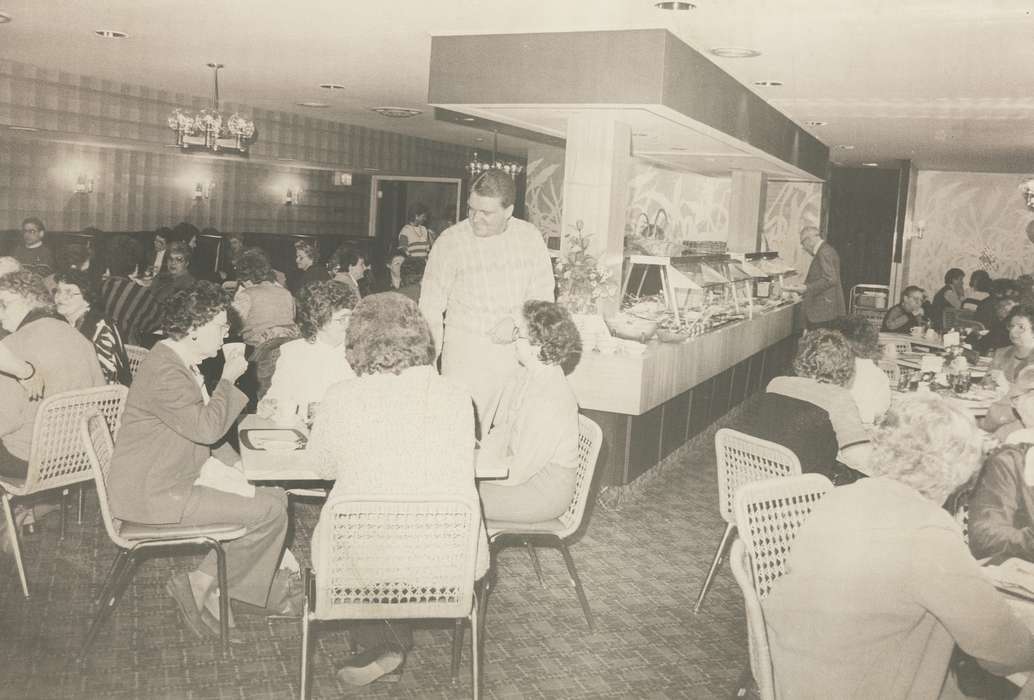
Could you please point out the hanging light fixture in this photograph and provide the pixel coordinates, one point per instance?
(209, 129)
(476, 166)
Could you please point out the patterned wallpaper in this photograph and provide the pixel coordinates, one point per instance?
(697, 206)
(140, 184)
(789, 207)
(972, 220)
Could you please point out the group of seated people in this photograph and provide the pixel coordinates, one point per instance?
(880, 569)
(361, 368)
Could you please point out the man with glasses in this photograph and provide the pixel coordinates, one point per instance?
(903, 317)
(31, 252)
(479, 274)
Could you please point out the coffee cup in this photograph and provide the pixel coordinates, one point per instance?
(233, 349)
(286, 412)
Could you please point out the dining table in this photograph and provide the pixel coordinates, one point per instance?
(277, 452)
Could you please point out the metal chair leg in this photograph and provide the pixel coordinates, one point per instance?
(719, 557)
(534, 560)
(64, 503)
(119, 556)
(121, 573)
(457, 649)
(304, 693)
(81, 505)
(12, 534)
(573, 573)
(224, 599)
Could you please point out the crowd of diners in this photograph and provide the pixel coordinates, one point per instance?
(883, 596)
(358, 359)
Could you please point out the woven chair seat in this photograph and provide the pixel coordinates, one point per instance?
(135, 532)
(502, 527)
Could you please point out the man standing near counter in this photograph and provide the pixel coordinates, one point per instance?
(479, 274)
(823, 295)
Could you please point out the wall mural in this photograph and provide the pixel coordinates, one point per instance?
(789, 207)
(970, 221)
(697, 206)
(544, 192)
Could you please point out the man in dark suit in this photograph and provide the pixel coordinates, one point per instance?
(823, 295)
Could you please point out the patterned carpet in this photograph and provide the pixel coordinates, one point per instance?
(641, 564)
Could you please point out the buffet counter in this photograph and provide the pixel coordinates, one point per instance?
(651, 404)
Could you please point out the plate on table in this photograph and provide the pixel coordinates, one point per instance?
(273, 439)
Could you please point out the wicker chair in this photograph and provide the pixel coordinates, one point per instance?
(768, 516)
(136, 355)
(132, 539)
(901, 346)
(383, 558)
(554, 533)
(56, 457)
(892, 370)
(742, 459)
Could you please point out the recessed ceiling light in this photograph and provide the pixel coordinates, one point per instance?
(844, 147)
(15, 127)
(478, 138)
(468, 119)
(768, 83)
(734, 52)
(674, 5)
(679, 148)
(396, 112)
(314, 105)
(110, 34)
(332, 86)
(4, 18)
(871, 165)
(815, 122)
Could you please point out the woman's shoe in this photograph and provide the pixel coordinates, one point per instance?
(363, 669)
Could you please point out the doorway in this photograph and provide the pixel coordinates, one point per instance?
(391, 198)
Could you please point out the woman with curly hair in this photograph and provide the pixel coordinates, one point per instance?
(310, 365)
(824, 367)
(880, 586)
(76, 298)
(398, 429)
(534, 431)
(169, 428)
(265, 309)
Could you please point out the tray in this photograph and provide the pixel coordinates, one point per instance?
(273, 439)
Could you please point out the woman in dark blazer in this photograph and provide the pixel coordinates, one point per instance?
(168, 430)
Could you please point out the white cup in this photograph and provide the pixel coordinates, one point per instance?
(286, 413)
(232, 349)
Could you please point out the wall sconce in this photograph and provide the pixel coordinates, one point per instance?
(83, 184)
(293, 197)
(203, 191)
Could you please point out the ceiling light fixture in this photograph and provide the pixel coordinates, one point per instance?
(476, 166)
(17, 127)
(468, 119)
(815, 122)
(4, 18)
(734, 52)
(110, 34)
(314, 105)
(768, 83)
(332, 86)
(208, 130)
(674, 6)
(396, 112)
(871, 165)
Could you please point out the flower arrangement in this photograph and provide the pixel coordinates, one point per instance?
(581, 280)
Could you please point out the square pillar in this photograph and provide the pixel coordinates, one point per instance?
(746, 211)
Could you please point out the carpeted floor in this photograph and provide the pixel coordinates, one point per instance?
(641, 564)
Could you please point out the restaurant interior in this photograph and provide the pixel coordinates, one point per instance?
(672, 155)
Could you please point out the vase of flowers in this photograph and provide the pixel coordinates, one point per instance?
(582, 281)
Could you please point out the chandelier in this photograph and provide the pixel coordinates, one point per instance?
(209, 129)
(476, 166)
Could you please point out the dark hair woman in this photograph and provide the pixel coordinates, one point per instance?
(77, 299)
(264, 308)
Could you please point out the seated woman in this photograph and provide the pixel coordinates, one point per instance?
(997, 335)
(535, 428)
(166, 443)
(178, 276)
(1020, 352)
(348, 267)
(949, 296)
(130, 305)
(882, 580)
(1000, 289)
(78, 301)
(979, 288)
(310, 365)
(824, 368)
(58, 356)
(398, 429)
(870, 387)
(265, 309)
(903, 317)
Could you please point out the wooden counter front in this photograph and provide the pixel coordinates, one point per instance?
(634, 385)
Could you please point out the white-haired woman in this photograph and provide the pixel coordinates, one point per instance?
(880, 585)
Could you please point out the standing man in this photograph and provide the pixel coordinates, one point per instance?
(479, 274)
(31, 253)
(822, 293)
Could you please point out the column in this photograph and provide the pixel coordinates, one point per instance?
(746, 211)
